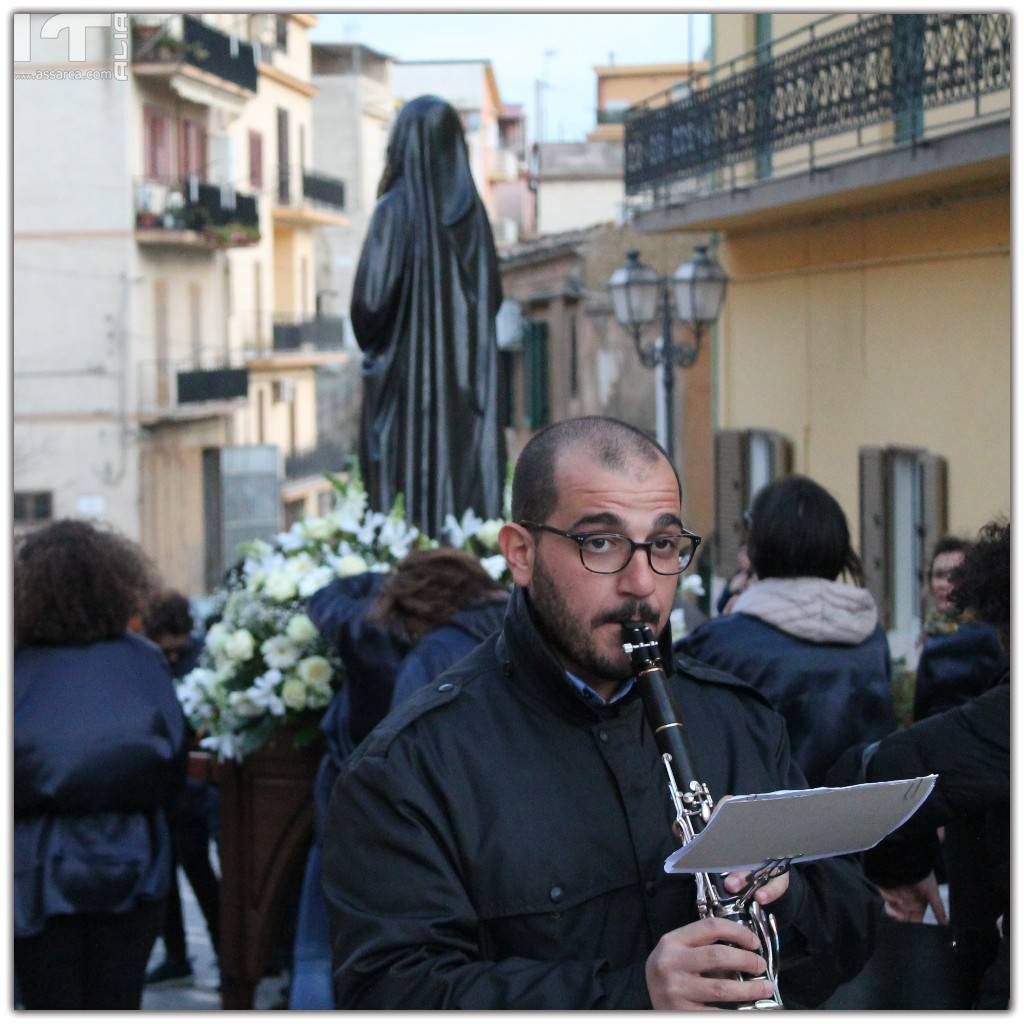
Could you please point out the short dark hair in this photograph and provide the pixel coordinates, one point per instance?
(76, 583)
(944, 545)
(168, 614)
(796, 528)
(427, 588)
(612, 442)
(981, 582)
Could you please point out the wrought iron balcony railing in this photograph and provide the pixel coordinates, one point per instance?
(170, 385)
(327, 457)
(184, 38)
(297, 187)
(881, 68)
(223, 215)
(325, 333)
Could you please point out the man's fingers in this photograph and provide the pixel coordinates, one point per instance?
(938, 908)
(717, 929)
(722, 960)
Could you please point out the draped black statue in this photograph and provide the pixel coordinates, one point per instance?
(423, 311)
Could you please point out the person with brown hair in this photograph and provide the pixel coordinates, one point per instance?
(99, 758)
(395, 634)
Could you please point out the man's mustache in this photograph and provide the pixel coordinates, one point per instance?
(633, 611)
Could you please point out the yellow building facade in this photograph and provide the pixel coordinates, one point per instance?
(866, 328)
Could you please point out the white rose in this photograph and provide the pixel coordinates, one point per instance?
(300, 628)
(494, 566)
(241, 703)
(315, 670)
(488, 533)
(318, 695)
(293, 693)
(315, 580)
(350, 565)
(318, 528)
(240, 645)
(215, 637)
(280, 586)
(279, 652)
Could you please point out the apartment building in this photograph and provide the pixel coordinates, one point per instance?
(166, 343)
(858, 182)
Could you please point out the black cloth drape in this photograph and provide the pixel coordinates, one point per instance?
(423, 310)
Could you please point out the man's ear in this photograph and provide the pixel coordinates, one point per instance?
(518, 548)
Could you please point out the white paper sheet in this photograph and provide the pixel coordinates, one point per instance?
(799, 825)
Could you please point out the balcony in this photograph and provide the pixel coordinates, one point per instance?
(327, 457)
(323, 334)
(876, 101)
(194, 214)
(189, 387)
(308, 199)
(202, 64)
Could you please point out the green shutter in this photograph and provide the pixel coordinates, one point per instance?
(535, 366)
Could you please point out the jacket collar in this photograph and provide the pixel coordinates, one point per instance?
(529, 663)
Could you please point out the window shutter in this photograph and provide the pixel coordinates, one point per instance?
(934, 507)
(256, 160)
(506, 390)
(731, 497)
(535, 358)
(782, 455)
(874, 527)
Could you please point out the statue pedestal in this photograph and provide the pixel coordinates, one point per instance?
(266, 823)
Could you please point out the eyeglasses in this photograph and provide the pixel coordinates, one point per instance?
(608, 553)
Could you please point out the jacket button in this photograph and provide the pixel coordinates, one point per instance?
(445, 686)
(649, 888)
(603, 735)
(556, 893)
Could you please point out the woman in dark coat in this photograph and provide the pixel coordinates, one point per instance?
(99, 757)
(968, 747)
(423, 310)
(809, 642)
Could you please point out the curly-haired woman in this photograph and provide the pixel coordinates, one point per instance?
(98, 757)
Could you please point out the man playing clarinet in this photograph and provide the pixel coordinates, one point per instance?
(498, 841)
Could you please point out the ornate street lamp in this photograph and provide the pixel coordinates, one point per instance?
(640, 295)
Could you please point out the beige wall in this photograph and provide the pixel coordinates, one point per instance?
(880, 328)
(563, 205)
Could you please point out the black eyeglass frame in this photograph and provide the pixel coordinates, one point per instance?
(579, 538)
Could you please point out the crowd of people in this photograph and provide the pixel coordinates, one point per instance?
(491, 814)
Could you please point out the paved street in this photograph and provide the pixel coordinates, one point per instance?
(202, 992)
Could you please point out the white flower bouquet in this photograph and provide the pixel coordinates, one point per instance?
(264, 664)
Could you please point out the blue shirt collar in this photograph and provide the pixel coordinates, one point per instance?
(591, 696)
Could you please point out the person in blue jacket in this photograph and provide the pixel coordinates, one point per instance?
(99, 759)
(395, 633)
(961, 657)
(809, 642)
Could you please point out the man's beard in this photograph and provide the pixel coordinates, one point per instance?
(573, 641)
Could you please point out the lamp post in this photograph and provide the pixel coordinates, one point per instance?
(640, 296)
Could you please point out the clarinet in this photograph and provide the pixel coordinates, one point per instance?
(693, 805)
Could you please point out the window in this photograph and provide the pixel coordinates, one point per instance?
(908, 75)
(256, 160)
(745, 460)
(191, 149)
(574, 359)
(157, 141)
(535, 371)
(195, 310)
(281, 31)
(902, 514)
(163, 367)
(32, 507)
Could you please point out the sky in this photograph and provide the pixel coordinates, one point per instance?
(561, 49)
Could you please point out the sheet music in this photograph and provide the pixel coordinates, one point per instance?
(799, 825)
